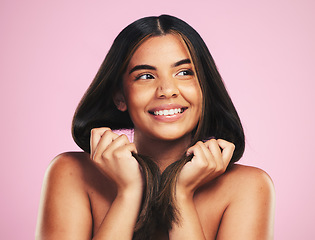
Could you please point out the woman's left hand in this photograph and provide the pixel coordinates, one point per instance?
(208, 162)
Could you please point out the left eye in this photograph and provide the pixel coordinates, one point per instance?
(145, 76)
(185, 73)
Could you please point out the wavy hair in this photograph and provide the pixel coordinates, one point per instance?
(97, 109)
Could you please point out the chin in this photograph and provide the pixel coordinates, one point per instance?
(171, 136)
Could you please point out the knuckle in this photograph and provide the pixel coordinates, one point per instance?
(96, 159)
(106, 133)
(220, 167)
(212, 166)
(124, 137)
(117, 154)
(221, 171)
(94, 131)
(103, 156)
(199, 144)
(133, 147)
(203, 164)
(211, 142)
(232, 146)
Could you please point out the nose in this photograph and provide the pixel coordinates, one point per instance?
(167, 88)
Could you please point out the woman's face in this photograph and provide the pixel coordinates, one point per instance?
(161, 90)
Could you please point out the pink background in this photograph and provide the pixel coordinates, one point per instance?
(51, 50)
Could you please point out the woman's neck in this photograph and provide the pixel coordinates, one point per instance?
(162, 152)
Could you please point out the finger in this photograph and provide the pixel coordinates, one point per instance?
(215, 150)
(207, 153)
(106, 139)
(131, 147)
(227, 150)
(119, 141)
(120, 163)
(125, 150)
(194, 149)
(96, 134)
(202, 155)
(204, 147)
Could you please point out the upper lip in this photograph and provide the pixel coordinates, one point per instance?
(167, 107)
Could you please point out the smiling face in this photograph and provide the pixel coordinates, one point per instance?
(161, 90)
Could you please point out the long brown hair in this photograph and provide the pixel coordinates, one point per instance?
(97, 109)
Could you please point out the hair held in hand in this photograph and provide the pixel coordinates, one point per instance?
(218, 118)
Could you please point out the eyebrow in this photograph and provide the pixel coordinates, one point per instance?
(149, 67)
(141, 67)
(181, 62)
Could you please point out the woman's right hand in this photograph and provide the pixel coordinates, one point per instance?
(112, 154)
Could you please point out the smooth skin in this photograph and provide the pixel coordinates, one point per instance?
(98, 196)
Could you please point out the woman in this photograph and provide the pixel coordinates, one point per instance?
(177, 179)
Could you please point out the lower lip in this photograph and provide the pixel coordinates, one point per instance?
(168, 118)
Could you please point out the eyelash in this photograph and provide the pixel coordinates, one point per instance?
(189, 72)
(145, 74)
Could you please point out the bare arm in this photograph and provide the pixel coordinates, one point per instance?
(208, 163)
(250, 214)
(189, 226)
(112, 154)
(121, 218)
(65, 211)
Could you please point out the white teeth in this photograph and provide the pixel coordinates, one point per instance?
(168, 112)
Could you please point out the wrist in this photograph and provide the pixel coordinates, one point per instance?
(184, 194)
(134, 192)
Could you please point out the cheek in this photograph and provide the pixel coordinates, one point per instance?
(198, 94)
(136, 98)
(197, 99)
(192, 92)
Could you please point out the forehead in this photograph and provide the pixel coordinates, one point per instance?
(164, 48)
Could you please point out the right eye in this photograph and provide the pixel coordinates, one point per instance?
(144, 76)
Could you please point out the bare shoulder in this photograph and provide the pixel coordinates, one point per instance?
(70, 159)
(67, 168)
(251, 201)
(68, 164)
(65, 205)
(244, 173)
(237, 183)
(248, 180)
(75, 171)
